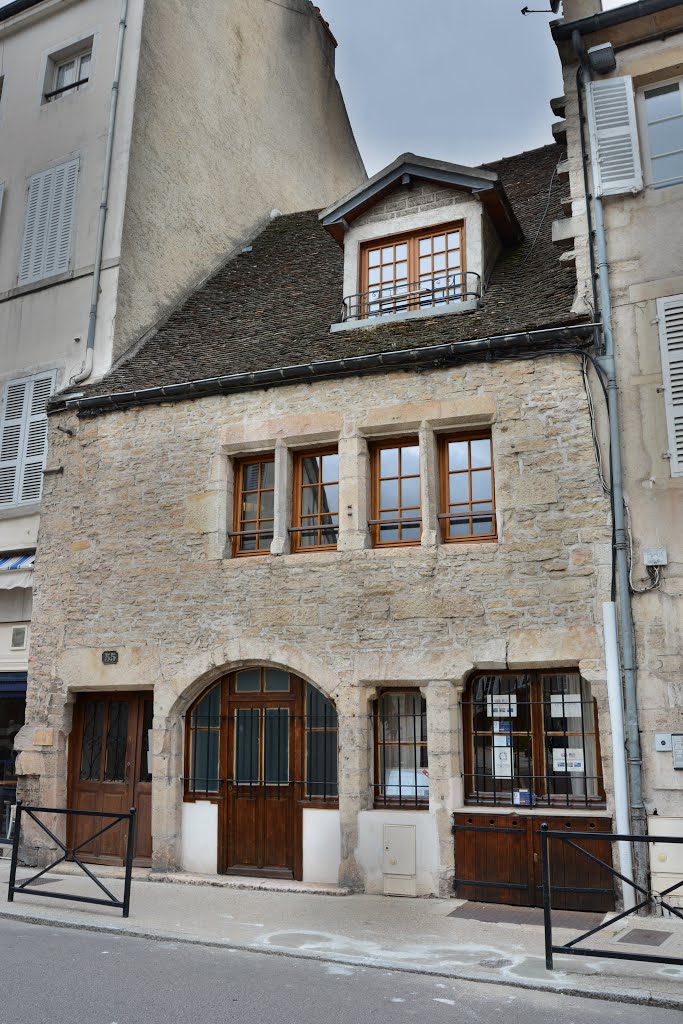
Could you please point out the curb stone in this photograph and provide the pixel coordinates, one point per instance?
(636, 997)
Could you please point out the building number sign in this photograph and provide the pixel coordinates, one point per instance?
(110, 657)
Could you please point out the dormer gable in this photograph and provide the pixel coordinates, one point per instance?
(420, 239)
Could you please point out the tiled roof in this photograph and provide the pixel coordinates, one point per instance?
(273, 306)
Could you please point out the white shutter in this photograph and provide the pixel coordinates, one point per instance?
(49, 223)
(670, 315)
(614, 137)
(23, 439)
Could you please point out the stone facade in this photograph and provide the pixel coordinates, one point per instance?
(134, 556)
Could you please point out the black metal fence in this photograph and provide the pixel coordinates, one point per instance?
(72, 854)
(651, 899)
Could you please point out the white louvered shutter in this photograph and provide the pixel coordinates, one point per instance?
(23, 442)
(670, 315)
(614, 137)
(49, 223)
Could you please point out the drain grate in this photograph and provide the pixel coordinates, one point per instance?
(645, 937)
(500, 913)
(41, 881)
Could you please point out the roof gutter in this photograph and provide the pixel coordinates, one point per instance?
(18, 7)
(563, 30)
(524, 342)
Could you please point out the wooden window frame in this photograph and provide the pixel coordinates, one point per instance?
(411, 239)
(297, 502)
(537, 734)
(375, 459)
(444, 489)
(395, 802)
(238, 522)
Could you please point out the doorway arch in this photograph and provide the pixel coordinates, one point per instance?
(262, 744)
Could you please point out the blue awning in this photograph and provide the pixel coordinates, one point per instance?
(13, 562)
(13, 684)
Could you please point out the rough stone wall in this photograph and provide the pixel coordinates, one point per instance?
(132, 557)
(238, 112)
(645, 263)
(408, 199)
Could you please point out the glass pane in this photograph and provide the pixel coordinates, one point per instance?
(425, 246)
(388, 534)
(410, 461)
(388, 462)
(330, 498)
(84, 71)
(663, 102)
(482, 526)
(330, 468)
(267, 475)
(666, 137)
(204, 761)
(513, 710)
(66, 74)
(309, 502)
(277, 681)
(320, 712)
(374, 276)
(250, 476)
(208, 711)
(267, 504)
(401, 252)
(667, 168)
(439, 263)
(410, 533)
(426, 265)
(147, 720)
(92, 741)
(401, 271)
(410, 492)
(388, 254)
(247, 721)
(310, 470)
(481, 453)
(481, 485)
(439, 243)
(249, 507)
(388, 494)
(248, 681)
(11, 720)
(265, 540)
(373, 258)
(457, 455)
(453, 239)
(321, 764)
(388, 273)
(117, 742)
(276, 746)
(459, 527)
(458, 488)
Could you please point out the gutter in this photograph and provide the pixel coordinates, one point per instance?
(104, 204)
(18, 7)
(524, 342)
(562, 31)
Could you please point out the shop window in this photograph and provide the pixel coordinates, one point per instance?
(315, 519)
(254, 505)
(401, 777)
(467, 493)
(531, 738)
(396, 502)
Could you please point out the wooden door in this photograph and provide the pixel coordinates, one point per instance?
(109, 773)
(498, 860)
(262, 822)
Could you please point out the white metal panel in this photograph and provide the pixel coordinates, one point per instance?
(670, 318)
(399, 849)
(613, 128)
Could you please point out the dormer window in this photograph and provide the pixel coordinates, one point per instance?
(410, 272)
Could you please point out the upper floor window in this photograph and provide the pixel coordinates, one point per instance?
(401, 776)
(664, 117)
(411, 272)
(254, 505)
(467, 497)
(48, 228)
(23, 440)
(396, 502)
(70, 75)
(315, 519)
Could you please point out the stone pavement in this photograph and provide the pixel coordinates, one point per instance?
(415, 935)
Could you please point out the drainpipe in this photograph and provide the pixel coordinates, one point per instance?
(104, 204)
(638, 816)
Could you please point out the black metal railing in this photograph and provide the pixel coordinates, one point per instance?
(71, 853)
(442, 289)
(65, 88)
(651, 900)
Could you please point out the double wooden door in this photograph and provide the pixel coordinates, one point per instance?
(261, 815)
(109, 773)
(498, 860)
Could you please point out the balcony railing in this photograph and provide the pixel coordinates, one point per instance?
(427, 293)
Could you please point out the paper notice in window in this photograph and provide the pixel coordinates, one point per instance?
(568, 759)
(502, 762)
(503, 706)
(571, 708)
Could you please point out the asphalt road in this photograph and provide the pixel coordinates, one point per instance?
(58, 976)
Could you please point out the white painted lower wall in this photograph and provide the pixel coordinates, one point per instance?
(666, 859)
(322, 845)
(370, 851)
(200, 838)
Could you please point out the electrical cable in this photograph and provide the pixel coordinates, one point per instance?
(543, 217)
(653, 571)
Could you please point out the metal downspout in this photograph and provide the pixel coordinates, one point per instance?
(104, 204)
(637, 809)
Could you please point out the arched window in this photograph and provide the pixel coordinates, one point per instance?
(531, 738)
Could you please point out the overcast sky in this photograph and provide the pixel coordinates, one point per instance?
(461, 80)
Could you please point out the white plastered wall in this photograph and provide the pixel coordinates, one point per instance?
(200, 837)
(370, 852)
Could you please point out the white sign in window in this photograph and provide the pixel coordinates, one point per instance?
(503, 706)
(567, 705)
(568, 759)
(502, 762)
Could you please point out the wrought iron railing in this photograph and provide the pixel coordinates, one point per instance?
(428, 293)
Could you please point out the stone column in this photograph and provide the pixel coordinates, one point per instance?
(354, 776)
(167, 794)
(282, 499)
(430, 487)
(354, 494)
(442, 743)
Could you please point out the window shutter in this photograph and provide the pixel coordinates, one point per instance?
(670, 315)
(23, 444)
(49, 223)
(614, 137)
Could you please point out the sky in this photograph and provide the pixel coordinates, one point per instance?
(462, 80)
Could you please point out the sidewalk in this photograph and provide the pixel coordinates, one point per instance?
(372, 931)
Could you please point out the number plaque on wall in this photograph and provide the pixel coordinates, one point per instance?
(110, 657)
